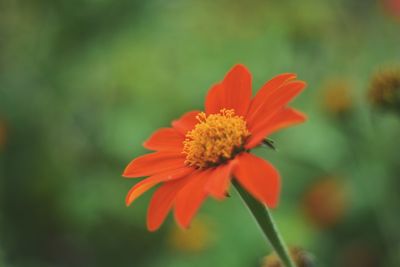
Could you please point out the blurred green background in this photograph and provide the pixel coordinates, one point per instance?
(84, 83)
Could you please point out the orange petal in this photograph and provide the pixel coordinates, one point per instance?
(233, 93)
(279, 99)
(162, 201)
(264, 94)
(283, 119)
(259, 178)
(190, 198)
(138, 189)
(215, 99)
(165, 139)
(153, 163)
(218, 180)
(186, 122)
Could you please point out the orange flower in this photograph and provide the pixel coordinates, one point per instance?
(202, 151)
(325, 202)
(200, 237)
(392, 7)
(337, 98)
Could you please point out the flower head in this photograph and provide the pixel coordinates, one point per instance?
(385, 89)
(215, 139)
(202, 151)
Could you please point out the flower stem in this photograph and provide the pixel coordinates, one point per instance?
(266, 223)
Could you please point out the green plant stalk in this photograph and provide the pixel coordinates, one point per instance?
(266, 223)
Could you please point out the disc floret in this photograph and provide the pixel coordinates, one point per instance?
(215, 139)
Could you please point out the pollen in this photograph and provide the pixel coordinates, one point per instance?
(215, 139)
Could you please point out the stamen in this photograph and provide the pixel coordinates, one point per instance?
(215, 139)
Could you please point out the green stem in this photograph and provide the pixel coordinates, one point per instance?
(267, 225)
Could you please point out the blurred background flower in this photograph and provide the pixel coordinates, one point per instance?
(325, 202)
(392, 7)
(198, 238)
(337, 98)
(300, 257)
(385, 89)
(83, 83)
(360, 254)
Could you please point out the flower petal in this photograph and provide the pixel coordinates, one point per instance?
(218, 180)
(264, 94)
(233, 93)
(215, 99)
(138, 189)
(190, 198)
(154, 163)
(259, 178)
(165, 139)
(162, 201)
(186, 122)
(283, 119)
(280, 98)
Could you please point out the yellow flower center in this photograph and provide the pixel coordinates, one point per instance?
(215, 139)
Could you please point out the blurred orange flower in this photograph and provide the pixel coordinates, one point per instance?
(392, 7)
(337, 97)
(324, 203)
(197, 156)
(199, 238)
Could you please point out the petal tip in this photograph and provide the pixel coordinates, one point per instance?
(301, 116)
(289, 75)
(239, 67)
(125, 174)
(183, 224)
(272, 204)
(152, 227)
(128, 173)
(145, 143)
(128, 200)
(303, 84)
